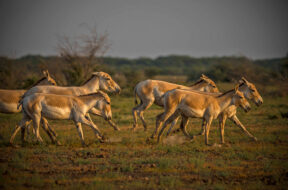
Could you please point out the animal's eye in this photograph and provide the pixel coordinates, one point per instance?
(252, 90)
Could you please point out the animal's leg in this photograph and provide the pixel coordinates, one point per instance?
(172, 125)
(113, 125)
(222, 121)
(147, 104)
(183, 126)
(134, 113)
(87, 116)
(98, 113)
(202, 128)
(88, 121)
(80, 132)
(239, 124)
(167, 122)
(207, 128)
(159, 121)
(45, 126)
(36, 124)
(27, 125)
(49, 127)
(93, 126)
(22, 123)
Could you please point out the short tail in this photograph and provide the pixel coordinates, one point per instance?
(20, 102)
(135, 96)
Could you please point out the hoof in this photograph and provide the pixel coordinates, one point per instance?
(58, 143)
(85, 145)
(148, 140)
(216, 145)
(255, 139)
(14, 146)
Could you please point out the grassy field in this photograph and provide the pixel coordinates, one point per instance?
(129, 161)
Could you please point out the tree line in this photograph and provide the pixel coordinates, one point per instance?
(22, 72)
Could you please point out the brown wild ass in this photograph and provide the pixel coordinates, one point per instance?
(150, 91)
(197, 104)
(9, 99)
(98, 81)
(62, 107)
(251, 93)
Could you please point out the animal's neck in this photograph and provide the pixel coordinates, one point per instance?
(225, 100)
(90, 101)
(197, 86)
(92, 85)
(243, 89)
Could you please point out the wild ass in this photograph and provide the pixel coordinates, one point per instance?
(251, 93)
(9, 98)
(62, 107)
(150, 91)
(98, 81)
(197, 104)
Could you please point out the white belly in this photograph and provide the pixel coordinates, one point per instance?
(191, 112)
(56, 112)
(9, 108)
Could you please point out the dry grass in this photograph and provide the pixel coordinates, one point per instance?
(129, 161)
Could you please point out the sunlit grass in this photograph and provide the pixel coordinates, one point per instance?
(129, 161)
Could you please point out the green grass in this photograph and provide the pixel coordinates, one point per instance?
(129, 161)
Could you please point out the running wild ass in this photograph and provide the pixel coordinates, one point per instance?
(98, 81)
(251, 93)
(197, 104)
(61, 107)
(9, 98)
(151, 91)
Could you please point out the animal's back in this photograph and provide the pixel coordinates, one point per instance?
(9, 100)
(51, 106)
(52, 90)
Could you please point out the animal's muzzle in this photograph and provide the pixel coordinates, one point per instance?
(118, 91)
(259, 103)
(247, 108)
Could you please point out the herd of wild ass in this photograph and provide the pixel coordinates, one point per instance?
(45, 100)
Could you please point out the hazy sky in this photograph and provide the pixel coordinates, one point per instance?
(150, 28)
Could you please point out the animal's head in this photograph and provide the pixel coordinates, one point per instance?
(250, 91)
(48, 79)
(208, 85)
(240, 100)
(106, 83)
(104, 106)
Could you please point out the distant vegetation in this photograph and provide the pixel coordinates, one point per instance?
(23, 72)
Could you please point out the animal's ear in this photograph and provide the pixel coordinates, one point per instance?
(244, 80)
(203, 76)
(236, 88)
(45, 73)
(96, 73)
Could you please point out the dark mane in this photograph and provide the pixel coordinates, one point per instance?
(36, 83)
(230, 90)
(100, 93)
(226, 92)
(199, 81)
(90, 94)
(242, 83)
(88, 80)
